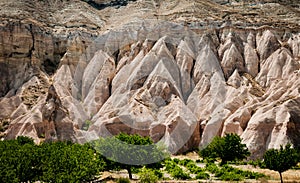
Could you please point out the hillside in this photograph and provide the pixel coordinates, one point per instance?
(180, 72)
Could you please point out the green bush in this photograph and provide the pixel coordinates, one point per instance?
(231, 176)
(202, 175)
(123, 180)
(176, 160)
(252, 175)
(193, 168)
(226, 171)
(212, 168)
(175, 171)
(18, 160)
(158, 173)
(148, 176)
(256, 163)
(179, 174)
(169, 165)
(184, 162)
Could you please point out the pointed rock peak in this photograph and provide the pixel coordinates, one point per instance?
(284, 51)
(251, 60)
(235, 79)
(183, 45)
(190, 42)
(93, 69)
(207, 49)
(147, 45)
(270, 41)
(280, 54)
(204, 41)
(206, 63)
(231, 36)
(268, 33)
(232, 59)
(229, 41)
(207, 55)
(166, 71)
(217, 77)
(234, 50)
(251, 39)
(160, 48)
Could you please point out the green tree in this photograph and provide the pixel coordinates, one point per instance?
(128, 151)
(227, 148)
(67, 162)
(281, 159)
(18, 160)
(23, 161)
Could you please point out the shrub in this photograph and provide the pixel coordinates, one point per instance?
(169, 165)
(176, 160)
(178, 173)
(231, 176)
(184, 162)
(211, 167)
(148, 176)
(252, 175)
(202, 175)
(226, 171)
(158, 173)
(193, 168)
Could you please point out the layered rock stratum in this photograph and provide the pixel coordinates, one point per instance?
(180, 72)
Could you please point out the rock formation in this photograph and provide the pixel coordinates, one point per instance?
(177, 78)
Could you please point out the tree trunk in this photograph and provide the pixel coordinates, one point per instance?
(280, 177)
(129, 173)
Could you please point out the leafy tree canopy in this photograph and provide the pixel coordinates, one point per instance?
(281, 159)
(23, 161)
(128, 151)
(227, 148)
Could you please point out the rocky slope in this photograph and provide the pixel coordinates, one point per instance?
(181, 72)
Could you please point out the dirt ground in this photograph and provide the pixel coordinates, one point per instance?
(290, 176)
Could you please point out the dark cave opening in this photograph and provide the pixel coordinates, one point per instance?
(50, 66)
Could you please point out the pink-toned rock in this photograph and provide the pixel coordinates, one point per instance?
(185, 60)
(278, 66)
(100, 90)
(294, 43)
(206, 64)
(268, 40)
(251, 60)
(180, 89)
(232, 60)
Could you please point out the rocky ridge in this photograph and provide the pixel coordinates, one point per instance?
(171, 76)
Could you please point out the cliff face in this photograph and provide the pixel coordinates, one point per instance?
(178, 78)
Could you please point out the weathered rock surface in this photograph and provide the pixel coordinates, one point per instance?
(181, 84)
